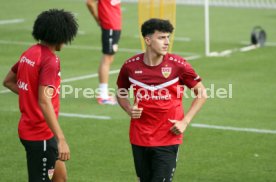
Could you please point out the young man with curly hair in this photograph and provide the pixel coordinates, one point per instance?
(36, 80)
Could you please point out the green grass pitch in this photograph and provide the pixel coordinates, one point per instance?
(100, 149)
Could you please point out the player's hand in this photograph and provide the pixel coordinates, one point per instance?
(63, 150)
(179, 126)
(136, 112)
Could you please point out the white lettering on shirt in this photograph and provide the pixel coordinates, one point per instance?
(22, 85)
(28, 61)
(153, 97)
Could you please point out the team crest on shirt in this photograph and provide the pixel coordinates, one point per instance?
(166, 71)
(51, 173)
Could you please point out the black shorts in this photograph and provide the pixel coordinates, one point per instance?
(41, 159)
(110, 40)
(155, 164)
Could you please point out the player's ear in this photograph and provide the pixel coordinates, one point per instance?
(147, 40)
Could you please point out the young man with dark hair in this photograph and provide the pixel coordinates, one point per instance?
(157, 117)
(36, 80)
(107, 13)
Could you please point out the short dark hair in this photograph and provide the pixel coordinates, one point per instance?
(151, 25)
(55, 27)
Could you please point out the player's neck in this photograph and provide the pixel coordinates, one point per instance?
(51, 47)
(152, 59)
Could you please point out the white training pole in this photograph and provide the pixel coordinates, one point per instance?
(207, 34)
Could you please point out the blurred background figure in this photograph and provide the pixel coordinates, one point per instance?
(107, 13)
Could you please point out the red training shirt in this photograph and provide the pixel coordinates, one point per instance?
(109, 12)
(37, 66)
(159, 91)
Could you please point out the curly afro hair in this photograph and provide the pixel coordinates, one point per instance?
(55, 27)
(153, 24)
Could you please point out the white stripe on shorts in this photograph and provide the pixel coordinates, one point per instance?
(44, 145)
(177, 153)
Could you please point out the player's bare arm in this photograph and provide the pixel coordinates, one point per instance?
(132, 110)
(92, 7)
(201, 96)
(10, 82)
(45, 103)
